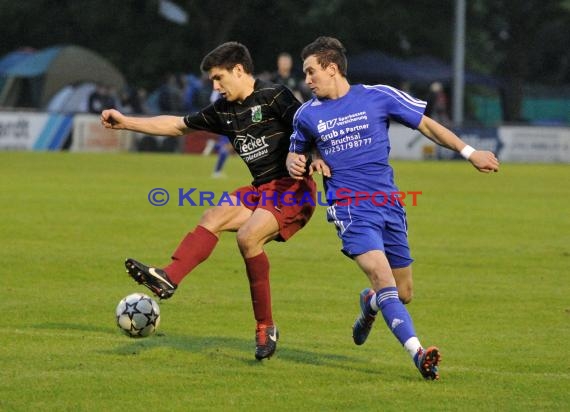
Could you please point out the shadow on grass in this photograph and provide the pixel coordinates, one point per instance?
(83, 327)
(218, 346)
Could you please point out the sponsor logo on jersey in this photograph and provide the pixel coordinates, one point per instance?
(329, 124)
(250, 147)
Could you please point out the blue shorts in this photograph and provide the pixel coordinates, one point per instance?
(369, 227)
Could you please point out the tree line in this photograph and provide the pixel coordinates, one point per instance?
(520, 42)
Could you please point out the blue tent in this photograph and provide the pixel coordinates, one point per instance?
(10, 60)
(33, 64)
(13, 58)
(33, 80)
(434, 68)
(376, 67)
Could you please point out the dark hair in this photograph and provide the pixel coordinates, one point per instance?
(327, 50)
(284, 54)
(226, 56)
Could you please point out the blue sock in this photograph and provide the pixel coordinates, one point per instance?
(395, 314)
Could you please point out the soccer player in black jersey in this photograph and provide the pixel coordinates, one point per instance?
(257, 118)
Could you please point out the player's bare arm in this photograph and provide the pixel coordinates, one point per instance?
(295, 164)
(318, 165)
(482, 160)
(163, 125)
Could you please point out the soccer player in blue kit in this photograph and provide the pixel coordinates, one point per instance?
(349, 124)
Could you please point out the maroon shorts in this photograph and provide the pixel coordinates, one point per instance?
(291, 201)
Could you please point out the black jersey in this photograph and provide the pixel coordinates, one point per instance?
(259, 128)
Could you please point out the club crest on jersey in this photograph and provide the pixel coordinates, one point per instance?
(256, 114)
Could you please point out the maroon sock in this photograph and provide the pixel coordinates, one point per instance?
(257, 268)
(193, 250)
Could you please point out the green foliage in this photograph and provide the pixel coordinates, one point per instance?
(491, 290)
(145, 46)
(539, 54)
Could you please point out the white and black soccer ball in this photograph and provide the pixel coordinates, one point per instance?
(138, 315)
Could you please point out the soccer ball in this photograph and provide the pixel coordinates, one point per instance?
(138, 315)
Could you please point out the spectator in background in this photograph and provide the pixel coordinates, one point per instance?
(141, 106)
(133, 101)
(127, 102)
(191, 86)
(224, 148)
(284, 75)
(170, 95)
(221, 145)
(205, 93)
(100, 99)
(438, 104)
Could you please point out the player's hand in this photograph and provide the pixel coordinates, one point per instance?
(319, 166)
(112, 119)
(296, 165)
(484, 161)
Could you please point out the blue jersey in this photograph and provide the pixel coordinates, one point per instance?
(351, 134)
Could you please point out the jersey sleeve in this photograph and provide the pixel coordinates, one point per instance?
(301, 140)
(205, 119)
(402, 107)
(286, 104)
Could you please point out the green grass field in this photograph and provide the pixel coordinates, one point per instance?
(492, 290)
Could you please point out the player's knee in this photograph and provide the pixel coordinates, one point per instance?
(246, 241)
(208, 218)
(213, 220)
(405, 299)
(405, 294)
(241, 239)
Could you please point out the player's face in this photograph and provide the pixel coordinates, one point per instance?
(229, 83)
(318, 79)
